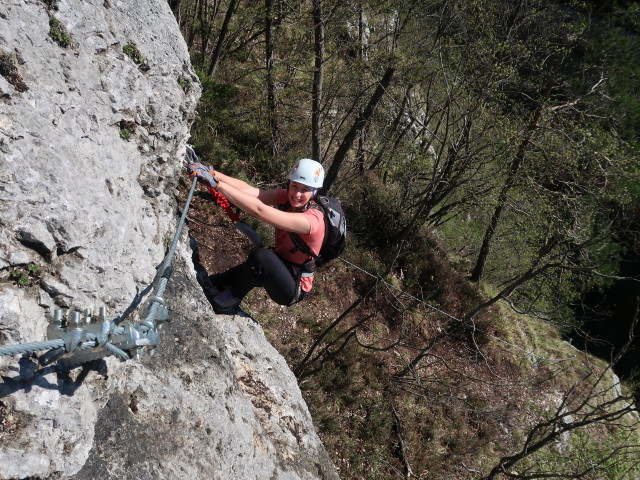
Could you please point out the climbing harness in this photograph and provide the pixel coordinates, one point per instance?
(79, 336)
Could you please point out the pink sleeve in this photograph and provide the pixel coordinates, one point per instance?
(316, 218)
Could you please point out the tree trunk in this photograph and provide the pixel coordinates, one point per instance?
(271, 85)
(190, 27)
(175, 8)
(360, 124)
(394, 128)
(205, 31)
(215, 58)
(478, 270)
(318, 74)
(360, 152)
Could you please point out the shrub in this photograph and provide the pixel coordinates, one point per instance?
(131, 51)
(58, 33)
(9, 71)
(24, 276)
(127, 127)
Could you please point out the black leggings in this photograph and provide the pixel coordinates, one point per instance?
(263, 268)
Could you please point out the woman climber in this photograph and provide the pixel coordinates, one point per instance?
(286, 272)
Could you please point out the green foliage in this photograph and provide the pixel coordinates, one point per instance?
(9, 71)
(21, 278)
(230, 137)
(185, 84)
(604, 68)
(425, 175)
(589, 450)
(349, 384)
(215, 94)
(374, 219)
(127, 128)
(24, 276)
(131, 51)
(58, 33)
(7, 66)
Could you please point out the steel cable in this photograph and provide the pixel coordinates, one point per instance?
(31, 347)
(149, 322)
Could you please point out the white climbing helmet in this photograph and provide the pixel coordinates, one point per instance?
(308, 172)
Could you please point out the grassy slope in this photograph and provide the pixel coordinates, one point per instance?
(469, 400)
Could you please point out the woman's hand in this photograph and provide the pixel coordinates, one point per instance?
(205, 175)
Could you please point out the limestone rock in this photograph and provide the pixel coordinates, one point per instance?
(90, 155)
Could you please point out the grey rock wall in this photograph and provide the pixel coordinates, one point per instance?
(94, 212)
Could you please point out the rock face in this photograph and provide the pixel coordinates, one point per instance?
(96, 101)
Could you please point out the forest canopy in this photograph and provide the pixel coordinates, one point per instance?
(507, 127)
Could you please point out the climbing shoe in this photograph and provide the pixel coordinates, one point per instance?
(225, 301)
(209, 289)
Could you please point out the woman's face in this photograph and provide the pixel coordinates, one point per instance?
(299, 194)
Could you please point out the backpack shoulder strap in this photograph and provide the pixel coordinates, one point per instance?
(301, 244)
